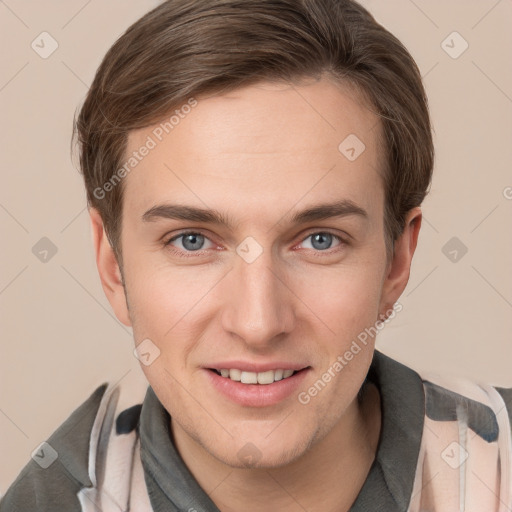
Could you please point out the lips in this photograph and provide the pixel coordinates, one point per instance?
(253, 385)
(245, 377)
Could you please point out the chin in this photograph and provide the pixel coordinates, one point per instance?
(260, 452)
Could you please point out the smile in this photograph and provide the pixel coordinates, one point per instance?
(256, 389)
(245, 377)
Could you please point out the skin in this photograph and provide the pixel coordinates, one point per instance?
(260, 154)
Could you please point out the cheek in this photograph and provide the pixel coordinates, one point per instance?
(348, 303)
(171, 307)
(347, 299)
(161, 295)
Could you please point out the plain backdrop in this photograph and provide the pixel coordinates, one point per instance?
(59, 337)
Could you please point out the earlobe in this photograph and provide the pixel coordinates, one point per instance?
(399, 267)
(108, 269)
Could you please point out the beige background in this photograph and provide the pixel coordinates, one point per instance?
(59, 337)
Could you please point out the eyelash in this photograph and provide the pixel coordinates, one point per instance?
(188, 254)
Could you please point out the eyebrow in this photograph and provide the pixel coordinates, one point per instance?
(318, 212)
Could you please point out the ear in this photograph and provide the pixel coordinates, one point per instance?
(398, 269)
(108, 268)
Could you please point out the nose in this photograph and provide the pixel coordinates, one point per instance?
(259, 305)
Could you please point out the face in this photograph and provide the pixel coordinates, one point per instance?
(282, 269)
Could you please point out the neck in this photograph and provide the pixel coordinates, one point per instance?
(328, 477)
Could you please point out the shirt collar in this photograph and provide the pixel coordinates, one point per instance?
(389, 483)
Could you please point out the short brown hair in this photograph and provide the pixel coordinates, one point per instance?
(185, 48)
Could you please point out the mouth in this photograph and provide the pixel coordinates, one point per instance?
(264, 388)
(262, 378)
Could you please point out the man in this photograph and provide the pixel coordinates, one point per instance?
(254, 173)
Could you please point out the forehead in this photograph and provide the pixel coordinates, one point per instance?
(260, 144)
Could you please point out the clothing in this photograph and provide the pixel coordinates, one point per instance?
(437, 438)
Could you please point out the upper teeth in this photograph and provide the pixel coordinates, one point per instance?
(267, 377)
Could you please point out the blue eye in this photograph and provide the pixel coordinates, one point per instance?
(322, 240)
(186, 243)
(190, 241)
